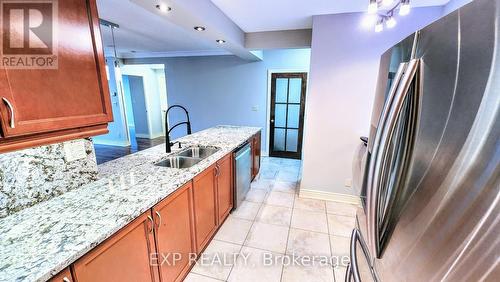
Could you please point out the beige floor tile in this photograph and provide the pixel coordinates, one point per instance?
(340, 245)
(226, 252)
(274, 215)
(193, 277)
(247, 210)
(308, 220)
(309, 204)
(280, 199)
(308, 243)
(341, 225)
(256, 195)
(262, 184)
(268, 237)
(341, 208)
(285, 186)
(234, 230)
(339, 272)
(254, 268)
(303, 273)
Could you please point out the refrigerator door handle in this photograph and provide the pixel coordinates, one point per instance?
(386, 127)
(353, 266)
(371, 214)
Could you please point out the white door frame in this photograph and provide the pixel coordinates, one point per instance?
(268, 101)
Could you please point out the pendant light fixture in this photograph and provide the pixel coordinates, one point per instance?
(384, 11)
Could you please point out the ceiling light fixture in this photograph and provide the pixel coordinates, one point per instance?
(390, 22)
(220, 41)
(379, 26)
(405, 8)
(199, 28)
(386, 15)
(163, 8)
(372, 7)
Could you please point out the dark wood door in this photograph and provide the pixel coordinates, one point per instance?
(74, 94)
(224, 187)
(205, 209)
(175, 233)
(123, 257)
(288, 91)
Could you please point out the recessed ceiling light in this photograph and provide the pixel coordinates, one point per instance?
(163, 8)
(199, 28)
(220, 41)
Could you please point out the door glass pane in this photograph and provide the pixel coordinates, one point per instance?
(280, 115)
(279, 139)
(292, 138)
(281, 90)
(295, 90)
(293, 116)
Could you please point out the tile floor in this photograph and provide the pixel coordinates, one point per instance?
(274, 222)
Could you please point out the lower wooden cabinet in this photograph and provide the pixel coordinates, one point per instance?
(174, 234)
(63, 276)
(256, 154)
(205, 209)
(224, 179)
(123, 257)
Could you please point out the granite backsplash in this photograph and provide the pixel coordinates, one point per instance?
(31, 176)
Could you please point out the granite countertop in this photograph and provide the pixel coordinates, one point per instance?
(38, 242)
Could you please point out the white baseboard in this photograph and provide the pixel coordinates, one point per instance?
(330, 196)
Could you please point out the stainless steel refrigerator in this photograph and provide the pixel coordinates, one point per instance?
(430, 177)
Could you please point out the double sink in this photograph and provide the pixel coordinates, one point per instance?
(189, 157)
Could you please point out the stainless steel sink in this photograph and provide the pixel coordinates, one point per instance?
(198, 152)
(179, 162)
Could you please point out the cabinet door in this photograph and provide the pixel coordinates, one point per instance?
(224, 187)
(74, 94)
(124, 257)
(256, 144)
(205, 210)
(63, 276)
(175, 233)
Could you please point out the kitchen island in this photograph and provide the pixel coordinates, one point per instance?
(39, 242)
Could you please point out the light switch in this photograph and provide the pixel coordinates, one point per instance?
(255, 108)
(348, 182)
(74, 150)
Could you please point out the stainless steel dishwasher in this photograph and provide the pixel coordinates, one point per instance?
(243, 173)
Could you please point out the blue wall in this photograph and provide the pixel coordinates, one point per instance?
(223, 89)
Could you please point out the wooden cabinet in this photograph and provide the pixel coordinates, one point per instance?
(63, 276)
(256, 154)
(175, 234)
(205, 207)
(41, 106)
(224, 178)
(123, 257)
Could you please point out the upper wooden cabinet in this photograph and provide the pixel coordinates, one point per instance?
(205, 207)
(71, 100)
(224, 179)
(175, 234)
(123, 257)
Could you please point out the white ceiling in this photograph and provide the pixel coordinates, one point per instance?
(267, 15)
(146, 33)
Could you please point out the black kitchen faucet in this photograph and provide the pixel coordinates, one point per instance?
(169, 144)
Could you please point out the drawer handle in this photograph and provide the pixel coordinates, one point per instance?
(66, 279)
(152, 224)
(159, 218)
(12, 115)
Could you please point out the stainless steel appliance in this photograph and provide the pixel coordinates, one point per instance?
(431, 174)
(243, 173)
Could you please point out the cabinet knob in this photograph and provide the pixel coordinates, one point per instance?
(12, 122)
